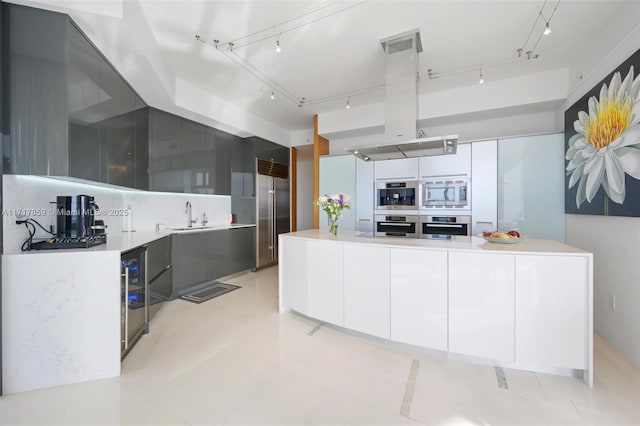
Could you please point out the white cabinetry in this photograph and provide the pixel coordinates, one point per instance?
(308, 285)
(364, 196)
(447, 165)
(402, 169)
(551, 321)
(484, 186)
(366, 289)
(419, 297)
(293, 275)
(325, 284)
(481, 304)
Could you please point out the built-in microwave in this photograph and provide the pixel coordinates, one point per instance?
(397, 195)
(445, 193)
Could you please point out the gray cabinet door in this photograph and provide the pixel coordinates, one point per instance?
(158, 257)
(37, 62)
(164, 155)
(218, 254)
(187, 260)
(196, 179)
(243, 249)
(219, 163)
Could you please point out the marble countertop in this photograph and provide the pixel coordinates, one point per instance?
(456, 243)
(126, 241)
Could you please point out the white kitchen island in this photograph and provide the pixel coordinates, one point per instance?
(527, 305)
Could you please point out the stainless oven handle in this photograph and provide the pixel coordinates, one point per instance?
(396, 178)
(126, 310)
(444, 225)
(394, 224)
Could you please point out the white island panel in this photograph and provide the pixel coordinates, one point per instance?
(457, 295)
(551, 294)
(366, 289)
(419, 298)
(481, 304)
(62, 319)
(293, 274)
(325, 299)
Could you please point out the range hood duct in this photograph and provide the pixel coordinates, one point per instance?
(401, 105)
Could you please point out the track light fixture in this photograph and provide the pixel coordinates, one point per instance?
(481, 78)
(547, 29)
(278, 48)
(348, 104)
(273, 96)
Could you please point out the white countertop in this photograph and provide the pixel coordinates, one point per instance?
(125, 241)
(457, 243)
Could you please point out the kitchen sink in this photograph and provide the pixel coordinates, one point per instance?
(193, 228)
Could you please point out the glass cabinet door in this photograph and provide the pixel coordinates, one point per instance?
(531, 186)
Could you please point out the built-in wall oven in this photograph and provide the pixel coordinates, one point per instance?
(397, 195)
(397, 226)
(445, 192)
(444, 226)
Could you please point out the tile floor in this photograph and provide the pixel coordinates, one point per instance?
(235, 360)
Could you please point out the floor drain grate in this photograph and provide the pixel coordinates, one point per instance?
(215, 289)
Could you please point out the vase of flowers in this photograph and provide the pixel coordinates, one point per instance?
(333, 206)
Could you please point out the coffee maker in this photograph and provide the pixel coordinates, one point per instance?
(75, 216)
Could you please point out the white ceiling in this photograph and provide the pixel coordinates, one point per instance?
(341, 54)
(331, 49)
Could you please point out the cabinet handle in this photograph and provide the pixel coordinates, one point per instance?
(437, 176)
(397, 178)
(126, 310)
(444, 225)
(395, 224)
(484, 223)
(364, 220)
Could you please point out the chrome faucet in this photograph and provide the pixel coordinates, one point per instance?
(190, 221)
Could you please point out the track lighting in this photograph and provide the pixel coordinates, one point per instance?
(348, 104)
(481, 78)
(273, 96)
(547, 30)
(278, 48)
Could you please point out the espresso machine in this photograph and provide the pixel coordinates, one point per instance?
(76, 225)
(75, 216)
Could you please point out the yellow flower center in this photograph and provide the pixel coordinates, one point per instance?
(612, 118)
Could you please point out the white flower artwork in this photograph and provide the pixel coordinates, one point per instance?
(607, 143)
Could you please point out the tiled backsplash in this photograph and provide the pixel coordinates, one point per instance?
(32, 195)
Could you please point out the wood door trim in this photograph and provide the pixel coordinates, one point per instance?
(320, 147)
(294, 189)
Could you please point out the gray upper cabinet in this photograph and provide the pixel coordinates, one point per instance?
(165, 167)
(36, 91)
(196, 171)
(107, 120)
(219, 146)
(188, 157)
(71, 113)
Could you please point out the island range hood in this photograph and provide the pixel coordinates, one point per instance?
(401, 106)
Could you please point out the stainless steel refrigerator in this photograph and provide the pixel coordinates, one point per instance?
(273, 211)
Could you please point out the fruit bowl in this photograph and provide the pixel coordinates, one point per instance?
(511, 240)
(500, 237)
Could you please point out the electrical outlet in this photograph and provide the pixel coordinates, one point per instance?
(612, 302)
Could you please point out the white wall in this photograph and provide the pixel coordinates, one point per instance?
(615, 241)
(305, 187)
(302, 137)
